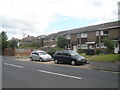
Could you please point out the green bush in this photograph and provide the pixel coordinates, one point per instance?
(52, 51)
(101, 51)
(81, 51)
(90, 52)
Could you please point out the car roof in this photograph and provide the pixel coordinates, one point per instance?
(38, 51)
(65, 50)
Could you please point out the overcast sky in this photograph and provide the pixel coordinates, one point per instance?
(20, 18)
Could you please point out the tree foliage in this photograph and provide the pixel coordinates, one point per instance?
(62, 42)
(3, 40)
(109, 44)
(13, 44)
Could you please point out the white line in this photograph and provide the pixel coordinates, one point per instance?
(13, 65)
(60, 74)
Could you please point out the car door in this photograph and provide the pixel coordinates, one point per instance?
(37, 56)
(67, 57)
(33, 55)
(60, 56)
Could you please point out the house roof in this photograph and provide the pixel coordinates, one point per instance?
(28, 38)
(103, 26)
(15, 39)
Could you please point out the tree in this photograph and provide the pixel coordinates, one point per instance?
(62, 42)
(3, 40)
(109, 44)
(13, 44)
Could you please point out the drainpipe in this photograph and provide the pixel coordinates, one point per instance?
(99, 39)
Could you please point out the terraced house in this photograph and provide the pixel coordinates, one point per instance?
(90, 37)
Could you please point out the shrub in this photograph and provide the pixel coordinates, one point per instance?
(82, 51)
(90, 52)
(53, 50)
(101, 51)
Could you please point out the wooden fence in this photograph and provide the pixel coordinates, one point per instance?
(16, 52)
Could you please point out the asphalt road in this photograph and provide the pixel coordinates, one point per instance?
(26, 74)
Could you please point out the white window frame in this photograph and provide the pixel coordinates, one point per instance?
(78, 46)
(97, 46)
(84, 46)
(103, 46)
(69, 47)
(68, 36)
(84, 35)
(78, 35)
(52, 38)
(97, 33)
(102, 33)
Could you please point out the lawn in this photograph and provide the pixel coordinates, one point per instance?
(84, 54)
(106, 57)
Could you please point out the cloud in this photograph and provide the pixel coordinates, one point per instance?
(33, 17)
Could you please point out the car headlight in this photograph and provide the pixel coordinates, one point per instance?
(79, 59)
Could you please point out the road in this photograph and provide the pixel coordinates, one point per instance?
(27, 74)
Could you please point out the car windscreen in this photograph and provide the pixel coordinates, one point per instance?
(73, 53)
(42, 53)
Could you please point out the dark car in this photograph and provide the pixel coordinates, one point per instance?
(68, 56)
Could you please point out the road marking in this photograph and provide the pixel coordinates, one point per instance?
(13, 65)
(60, 74)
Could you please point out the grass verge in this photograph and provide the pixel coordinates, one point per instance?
(106, 57)
(87, 56)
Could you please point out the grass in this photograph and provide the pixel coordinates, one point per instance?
(106, 57)
(84, 54)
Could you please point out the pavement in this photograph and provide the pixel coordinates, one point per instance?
(105, 66)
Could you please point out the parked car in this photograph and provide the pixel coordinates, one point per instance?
(68, 56)
(40, 55)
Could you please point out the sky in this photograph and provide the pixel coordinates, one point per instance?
(20, 18)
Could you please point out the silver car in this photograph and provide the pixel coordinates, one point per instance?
(40, 55)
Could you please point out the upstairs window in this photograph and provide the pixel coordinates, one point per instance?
(78, 35)
(105, 32)
(83, 35)
(68, 36)
(52, 39)
(97, 33)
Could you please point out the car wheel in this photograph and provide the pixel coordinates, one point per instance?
(40, 59)
(31, 58)
(85, 62)
(72, 62)
(56, 61)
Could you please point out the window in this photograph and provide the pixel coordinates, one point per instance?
(78, 35)
(104, 32)
(66, 53)
(73, 53)
(42, 53)
(69, 47)
(68, 36)
(97, 33)
(60, 53)
(35, 53)
(83, 35)
(78, 46)
(52, 39)
(97, 45)
(103, 46)
(84, 46)
(56, 38)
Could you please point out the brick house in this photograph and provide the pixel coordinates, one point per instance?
(90, 37)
